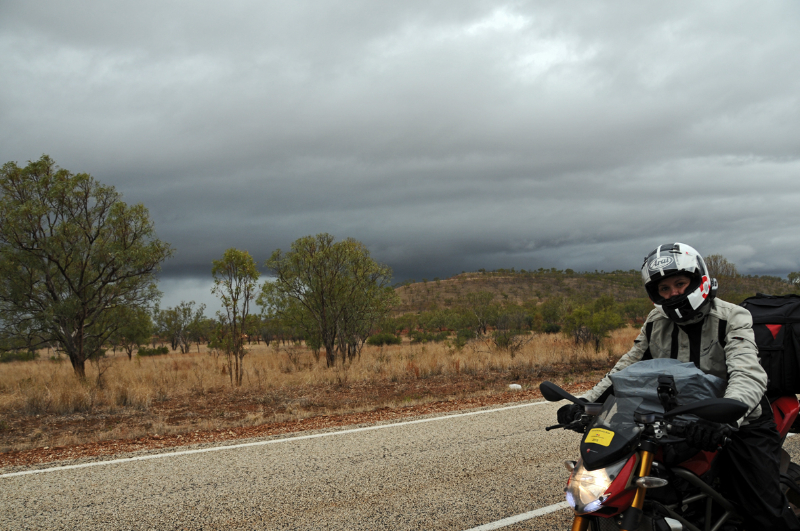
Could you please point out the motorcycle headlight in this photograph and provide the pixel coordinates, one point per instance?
(585, 489)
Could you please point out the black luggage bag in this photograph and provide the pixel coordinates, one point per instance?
(776, 323)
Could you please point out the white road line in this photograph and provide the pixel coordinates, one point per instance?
(263, 443)
(521, 517)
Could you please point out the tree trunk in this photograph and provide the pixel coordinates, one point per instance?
(238, 370)
(330, 356)
(78, 365)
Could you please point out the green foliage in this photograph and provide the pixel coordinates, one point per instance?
(794, 281)
(384, 338)
(333, 291)
(427, 337)
(136, 329)
(552, 311)
(513, 317)
(157, 351)
(235, 280)
(547, 298)
(390, 325)
(9, 356)
(504, 338)
(481, 309)
(463, 336)
(181, 325)
(637, 309)
(594, 322)
(71, 254)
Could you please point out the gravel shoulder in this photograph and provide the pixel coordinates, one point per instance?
(454, 473)
(12, 460)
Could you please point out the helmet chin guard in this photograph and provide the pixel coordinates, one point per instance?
(674, 259)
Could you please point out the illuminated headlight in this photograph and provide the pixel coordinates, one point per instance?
(586, 488)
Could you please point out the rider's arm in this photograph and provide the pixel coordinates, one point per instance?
(632, 356)
(747, 380)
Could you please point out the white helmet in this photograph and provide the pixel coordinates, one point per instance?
(678, 259)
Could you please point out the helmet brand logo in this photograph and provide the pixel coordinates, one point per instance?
(660, 263)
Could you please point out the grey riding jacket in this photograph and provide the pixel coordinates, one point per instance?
(727, 349)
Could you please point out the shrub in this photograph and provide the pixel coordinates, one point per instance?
(462, 337)
(384, 338)
(552, 328)
(426, 337)
(503, 338)
(158, 351)
(6, 357)
(465, 334)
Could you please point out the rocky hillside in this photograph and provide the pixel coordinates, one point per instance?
(520, 287)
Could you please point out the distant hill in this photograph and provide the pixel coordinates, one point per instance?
(520, 287)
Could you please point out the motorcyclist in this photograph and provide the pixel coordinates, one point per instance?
(690, 324)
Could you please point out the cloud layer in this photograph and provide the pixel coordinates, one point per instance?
(446, 136)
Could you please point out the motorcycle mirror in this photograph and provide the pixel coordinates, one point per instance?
(553, 393)
(722, 410)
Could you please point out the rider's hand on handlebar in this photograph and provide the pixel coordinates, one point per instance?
(570, 412)
(707, 436)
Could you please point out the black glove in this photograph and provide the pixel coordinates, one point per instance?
(706, 435)
(569, 413)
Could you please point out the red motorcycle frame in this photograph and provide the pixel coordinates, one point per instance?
(621, 503)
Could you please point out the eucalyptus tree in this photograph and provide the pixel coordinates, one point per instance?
(333, 292)
(481, 307)
(235, 283)
(179, 323)
(136, 329)
(71, 254)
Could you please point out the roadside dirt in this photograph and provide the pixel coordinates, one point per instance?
(184, 421)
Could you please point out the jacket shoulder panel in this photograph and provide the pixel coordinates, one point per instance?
(736, 316)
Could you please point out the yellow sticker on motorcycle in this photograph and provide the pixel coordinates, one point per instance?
(599, 436)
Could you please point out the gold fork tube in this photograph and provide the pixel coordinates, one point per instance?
(580, 523)
(644, 470)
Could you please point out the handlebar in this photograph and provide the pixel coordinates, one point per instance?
(674, 427)
(576, 425)
(679, 429)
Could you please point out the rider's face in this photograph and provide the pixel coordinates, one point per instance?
(673, 286)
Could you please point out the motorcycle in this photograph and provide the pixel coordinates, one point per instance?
(636, 473)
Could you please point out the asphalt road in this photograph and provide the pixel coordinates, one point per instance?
(455, 473)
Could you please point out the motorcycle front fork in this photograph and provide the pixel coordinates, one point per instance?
(633, 515)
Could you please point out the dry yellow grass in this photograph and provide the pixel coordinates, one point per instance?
(44, 386)
(144, 387)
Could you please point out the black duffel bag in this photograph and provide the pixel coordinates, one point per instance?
(776, 323)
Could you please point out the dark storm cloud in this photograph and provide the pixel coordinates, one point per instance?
(446, 136)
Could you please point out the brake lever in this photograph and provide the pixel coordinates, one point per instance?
(571, 426)
(581, 423)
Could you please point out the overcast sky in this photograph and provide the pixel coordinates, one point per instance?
(446, 136)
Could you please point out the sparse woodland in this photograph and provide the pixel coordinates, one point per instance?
(87, 354)
(438, 354)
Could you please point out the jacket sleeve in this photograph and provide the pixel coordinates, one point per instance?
(635, 354)
(747, 380)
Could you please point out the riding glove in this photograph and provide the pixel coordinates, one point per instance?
(707, 436)
(569, 413)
